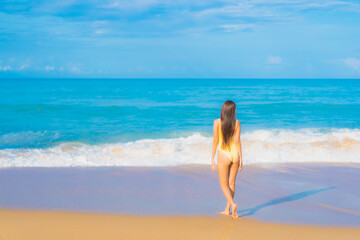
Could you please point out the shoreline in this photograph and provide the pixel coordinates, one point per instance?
(35, 225)
(314, 194)
(194, 165)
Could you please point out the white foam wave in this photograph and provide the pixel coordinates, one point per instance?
(260, 146)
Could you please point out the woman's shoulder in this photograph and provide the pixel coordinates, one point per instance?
(216, 121)
(216, 125)
(237, 122)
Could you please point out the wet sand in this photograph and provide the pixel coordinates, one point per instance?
(310, 194)
(44, 225)
(277, 201)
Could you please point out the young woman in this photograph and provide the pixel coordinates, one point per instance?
(227, 142)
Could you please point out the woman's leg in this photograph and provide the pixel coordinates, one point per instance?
(227, 208)
(233, 170)
(232, 178)
(223, 169)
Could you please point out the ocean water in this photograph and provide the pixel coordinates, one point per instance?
(165, 122)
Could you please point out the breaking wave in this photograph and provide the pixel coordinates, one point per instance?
(259, 146)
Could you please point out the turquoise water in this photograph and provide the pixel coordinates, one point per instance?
(44, 113)
(40, 113)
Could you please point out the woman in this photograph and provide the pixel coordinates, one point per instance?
(227, 141)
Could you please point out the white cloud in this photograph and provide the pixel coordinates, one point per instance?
(23, 66)
(99, 31)
(49, 68)
(133, 4)
(26, 64)
(236, 27)
(352, 63)
(274, 11)
(273, 59)
(242, 9)
(99, 23)
(5, 68)
(75, 69)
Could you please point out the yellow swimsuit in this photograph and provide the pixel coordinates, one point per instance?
(233, 153)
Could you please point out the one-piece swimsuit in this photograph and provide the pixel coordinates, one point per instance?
(231, 153)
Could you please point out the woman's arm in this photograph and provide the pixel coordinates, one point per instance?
(238, 144)
(215, 143)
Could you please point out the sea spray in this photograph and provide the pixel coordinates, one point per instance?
(259, 146)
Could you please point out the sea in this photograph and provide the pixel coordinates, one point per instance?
(169, 122)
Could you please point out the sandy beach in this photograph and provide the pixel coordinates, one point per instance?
(278, 201)
(294, 193)
(38, 225)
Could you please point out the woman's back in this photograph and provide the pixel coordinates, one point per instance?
(221, 135)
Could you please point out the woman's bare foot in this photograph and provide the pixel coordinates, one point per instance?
(234, 213)
(226, 213)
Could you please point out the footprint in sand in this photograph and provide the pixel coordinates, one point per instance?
(227, 231)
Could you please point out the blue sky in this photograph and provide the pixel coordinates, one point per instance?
(180, 38)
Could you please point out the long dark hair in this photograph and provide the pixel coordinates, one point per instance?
(228, 122)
